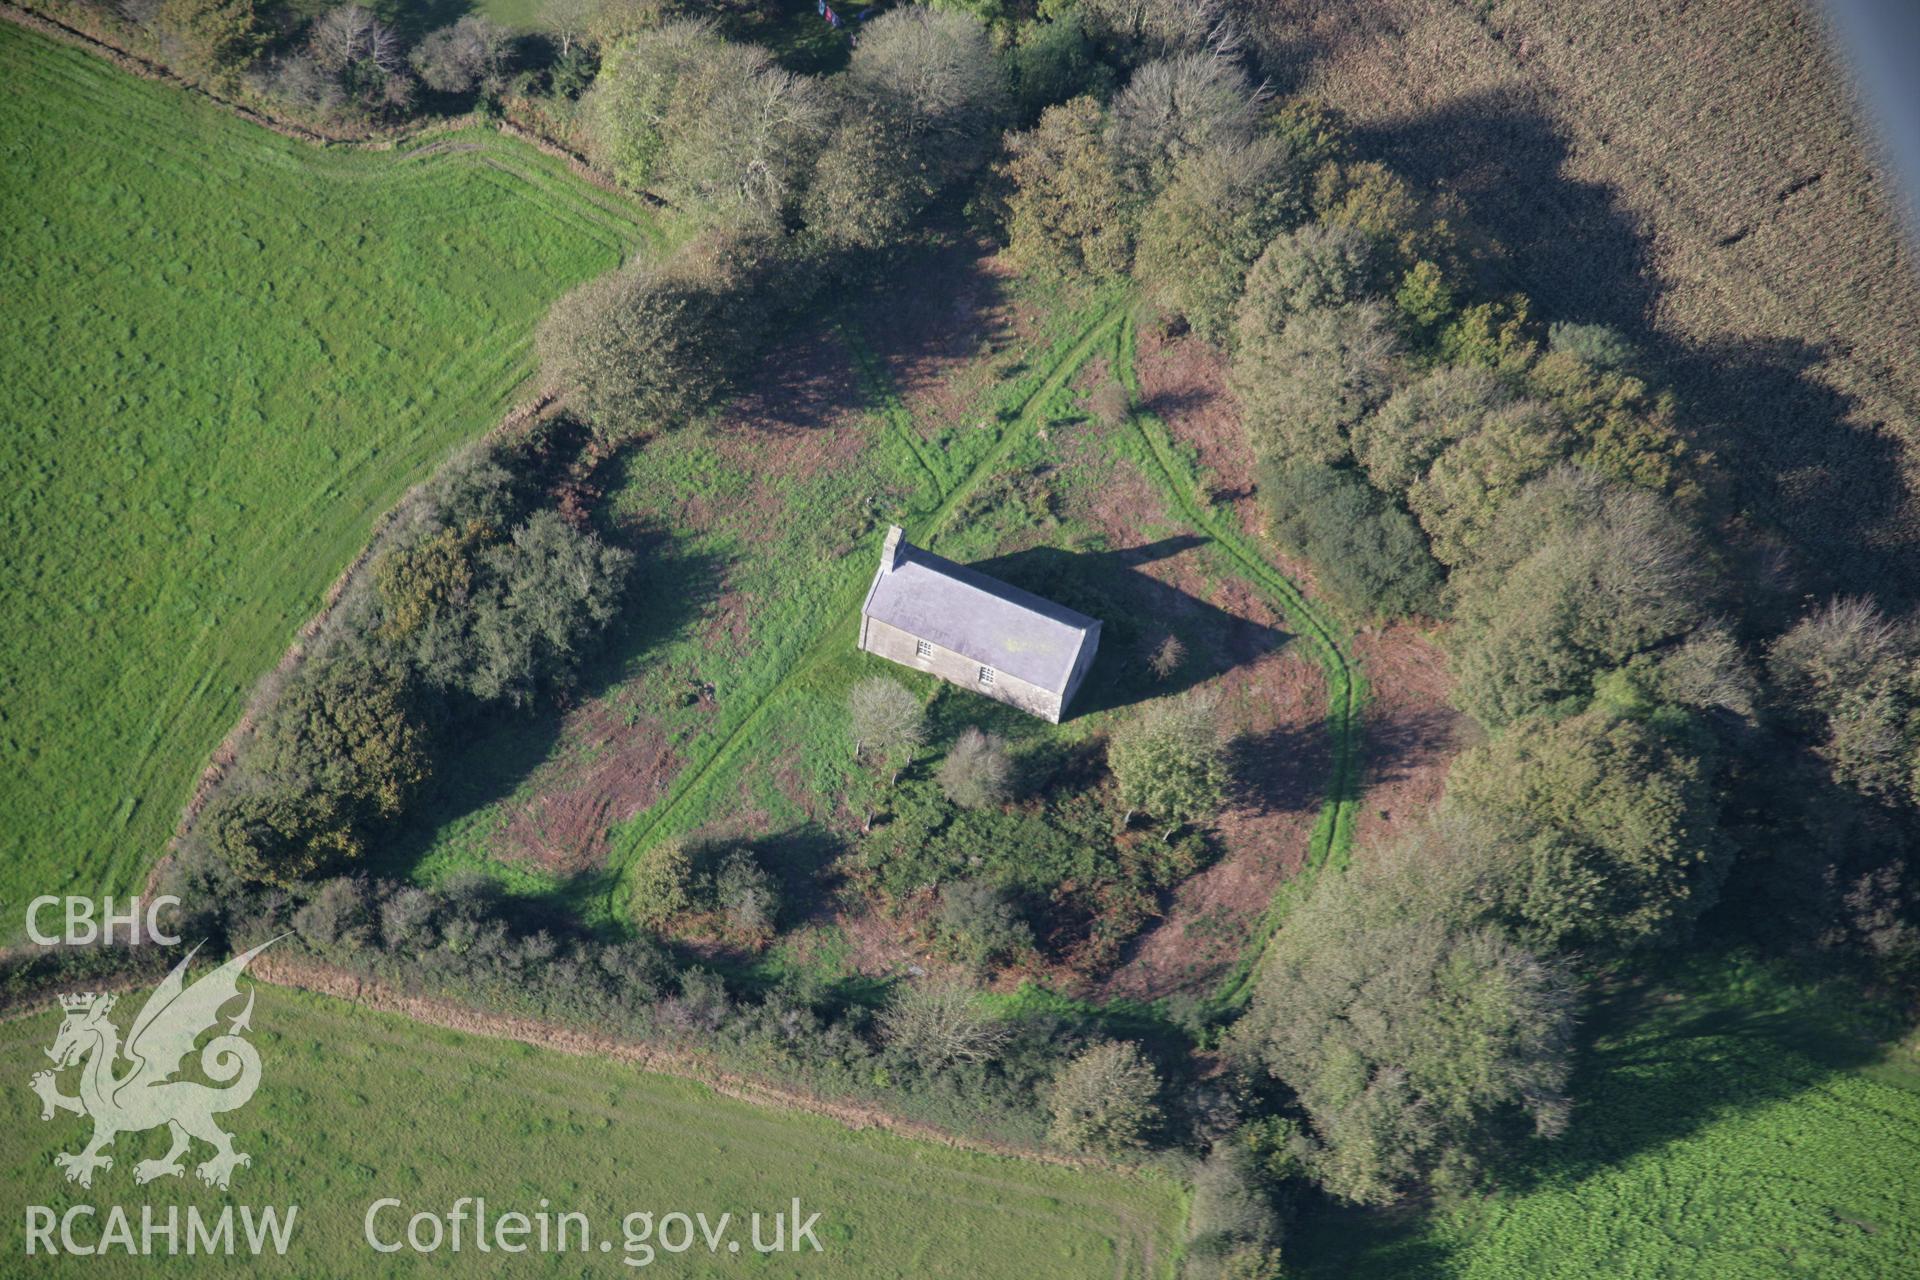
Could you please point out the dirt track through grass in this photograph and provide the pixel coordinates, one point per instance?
(1332, 837)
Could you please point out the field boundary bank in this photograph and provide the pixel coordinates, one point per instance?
(336, 983)
(515, 424)
(376, 140)
(1329, 843)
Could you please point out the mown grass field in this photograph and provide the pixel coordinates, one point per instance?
(1729, 1122)
(356, 1105)
(226, 353)
(1702, 180)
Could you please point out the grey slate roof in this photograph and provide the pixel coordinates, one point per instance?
(980, 618)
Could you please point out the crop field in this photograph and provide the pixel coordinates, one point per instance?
(226, 353)
(1728, 1123)
(724, 705)
(1704, 183)
(355, 1106)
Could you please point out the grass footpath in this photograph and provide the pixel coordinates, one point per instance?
(774, 733)
(226, 353)
(356, 1105)
(941, 494)
(1331, 840)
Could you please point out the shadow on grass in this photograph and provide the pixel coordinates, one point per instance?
(794, 31)
(1137, 612)
(1823, 487)
(1667, 1051)
(1690, 1039)
(491, 754)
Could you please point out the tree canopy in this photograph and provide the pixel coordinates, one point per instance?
(1170, 760)
(1610, 823)
(1408, 1027)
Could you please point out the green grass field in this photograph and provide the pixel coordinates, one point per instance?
(226, 353)
(355, 1106)
(1729, 1123)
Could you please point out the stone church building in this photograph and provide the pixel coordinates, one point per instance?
(926, 612)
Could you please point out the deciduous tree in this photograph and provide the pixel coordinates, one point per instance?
(887, 719)
(468, 54)
(934, 77)
(645, 347)
(1305, 386)
(866, 187)
(661, 884)
(1611, 821)
(977, 772)
(1170, 761)
(1202, 233)
(210, 39)
(1307, 268)
(1409, 1029)
(1472, 479)
(936, 1024)
(1399, 442)
(1105, 1100)
(1068, 213)
(1576, 578)
(1173, 108)
(1850, 675)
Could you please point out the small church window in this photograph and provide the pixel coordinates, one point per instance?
(923, 648)
(986, 675)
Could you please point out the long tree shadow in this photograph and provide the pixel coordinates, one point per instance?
(1803, 472)
(1684, 1043)
(1693, 1040)
(1572, 246)
(1283, 770)
(1800, 462)
(493, 754)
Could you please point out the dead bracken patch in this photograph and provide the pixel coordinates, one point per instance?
(610, 770)
(1410, 732)
(930, 330)
(803, 404)
(1277, 708)
(1183, 382)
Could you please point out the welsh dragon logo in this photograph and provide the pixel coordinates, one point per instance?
(145, 1095)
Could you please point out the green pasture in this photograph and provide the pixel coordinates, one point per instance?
(356, 1106)
(1729, 1124)
(226, 353)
